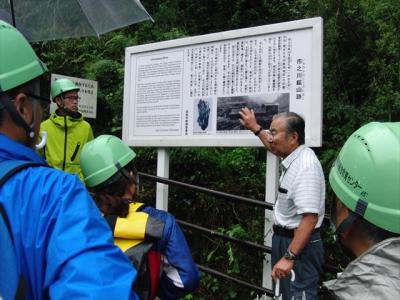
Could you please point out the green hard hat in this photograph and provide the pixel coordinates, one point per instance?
(366, 174)
(102, 157)
(18, 62)
(62, 85)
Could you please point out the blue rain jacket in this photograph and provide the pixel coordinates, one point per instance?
(64, 247)
(180, 274)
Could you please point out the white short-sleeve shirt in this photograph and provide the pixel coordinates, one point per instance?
(301, 188)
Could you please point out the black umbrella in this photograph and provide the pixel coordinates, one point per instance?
(41, 20)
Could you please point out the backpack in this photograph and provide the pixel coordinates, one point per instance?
(146, 260)
(12, 283)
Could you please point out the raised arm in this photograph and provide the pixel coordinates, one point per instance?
(248, 120)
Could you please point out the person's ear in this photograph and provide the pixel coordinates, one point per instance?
(294, 138)
(58, 101)
(341, 211)
(350, 235)
(22, 105)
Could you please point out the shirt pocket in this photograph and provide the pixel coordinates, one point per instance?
(75, 151)
(282, 202)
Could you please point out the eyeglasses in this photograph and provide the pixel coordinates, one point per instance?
(270, 134)
(44, 102)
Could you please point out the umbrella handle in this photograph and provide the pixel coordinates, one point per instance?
(277, 288)
(278, 283)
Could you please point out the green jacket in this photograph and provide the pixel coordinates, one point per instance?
(66, 137)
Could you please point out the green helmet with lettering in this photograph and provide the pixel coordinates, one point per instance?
(61, 86)
(18, 62)
(366, 174)
(102, 157)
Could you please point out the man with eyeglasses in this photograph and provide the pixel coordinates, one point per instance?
(300, 205)
(67, 131)
(61, 246)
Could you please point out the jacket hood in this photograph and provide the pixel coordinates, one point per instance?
(71, 122)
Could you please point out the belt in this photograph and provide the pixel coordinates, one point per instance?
(286, 232)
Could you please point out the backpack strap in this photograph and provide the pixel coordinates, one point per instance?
(10, 167)
(111, 221)
(7, 169)
(13, 284)
(154, 262)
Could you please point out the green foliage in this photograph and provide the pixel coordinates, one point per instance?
(237, 231)
(188, 297)
(110, 74)
(211, 283)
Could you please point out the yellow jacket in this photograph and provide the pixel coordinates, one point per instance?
(66, 137)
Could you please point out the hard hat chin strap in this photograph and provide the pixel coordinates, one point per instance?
(346, 223)
(18, 120)
(359, 212)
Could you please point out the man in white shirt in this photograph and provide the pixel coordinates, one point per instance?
(299, 207)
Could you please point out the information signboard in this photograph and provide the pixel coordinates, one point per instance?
(189, 91)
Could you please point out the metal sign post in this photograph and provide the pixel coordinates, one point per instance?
(162, 171)
(271, 187)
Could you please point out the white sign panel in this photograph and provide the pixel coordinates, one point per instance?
(188, 92)
(87, 95)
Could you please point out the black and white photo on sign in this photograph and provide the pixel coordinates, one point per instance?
(265, 106)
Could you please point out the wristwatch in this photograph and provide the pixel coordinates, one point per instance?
(290, 255)
(258, 131)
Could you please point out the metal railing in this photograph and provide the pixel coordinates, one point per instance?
(207, 191)
(225, 237)
(217, 234)
(214, 233)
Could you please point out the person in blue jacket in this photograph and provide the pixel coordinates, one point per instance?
(63, 246)
(109, 172)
